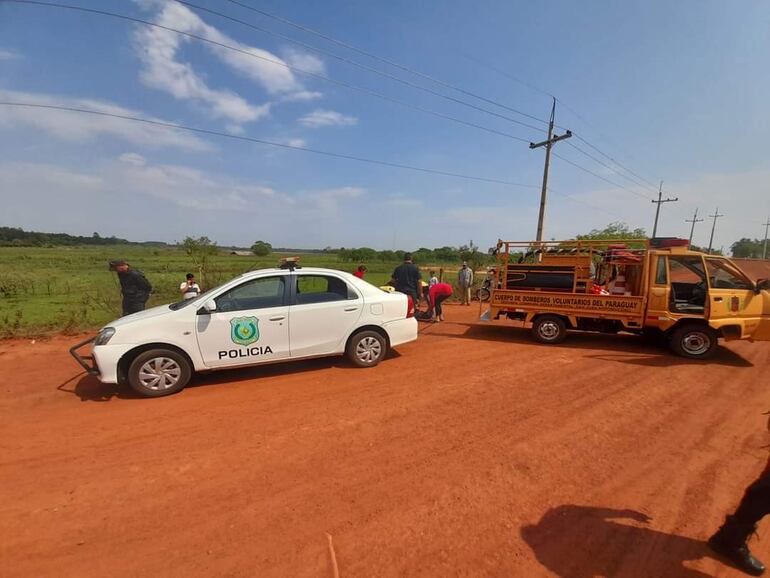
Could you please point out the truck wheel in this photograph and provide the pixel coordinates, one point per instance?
(549, 329)
(694, 341)
(367, 349)
(159, 372)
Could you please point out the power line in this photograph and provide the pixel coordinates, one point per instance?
(384, 60)
(363, 66)
(267, 142)
(277, 63)
(598, 176)
(605, 165)
(715, 216)
(658, 203)
(548, 144)
(694, 220)
(614, 160)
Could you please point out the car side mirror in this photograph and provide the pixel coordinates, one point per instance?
(208, 307)
(763, 285)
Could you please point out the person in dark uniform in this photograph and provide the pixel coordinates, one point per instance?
(731, 539)
(135, 287)
(407, 279)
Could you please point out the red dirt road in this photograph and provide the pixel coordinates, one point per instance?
(473, 452)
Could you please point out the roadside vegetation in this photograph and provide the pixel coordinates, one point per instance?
(46, 289)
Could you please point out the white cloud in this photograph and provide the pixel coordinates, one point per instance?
(9, 55)
(329, 199)
(163, 70)
(78, 127)
(320, 118)
(302, 96)
(304, 61)
(296, 142)
(133, 159)
(400, 200)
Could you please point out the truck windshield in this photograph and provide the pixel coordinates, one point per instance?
(723, 275)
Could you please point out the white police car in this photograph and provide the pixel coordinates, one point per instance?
(263, 316)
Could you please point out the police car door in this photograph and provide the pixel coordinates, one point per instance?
(324, 309)
(249, 325)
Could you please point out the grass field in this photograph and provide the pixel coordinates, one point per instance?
(44, 290)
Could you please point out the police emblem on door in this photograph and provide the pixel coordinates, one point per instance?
(244, 330)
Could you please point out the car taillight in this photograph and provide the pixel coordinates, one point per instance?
(409, 307)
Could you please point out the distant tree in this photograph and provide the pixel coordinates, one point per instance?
(387, 256)
(261, 248)
(747, 248)
(200, 251)
(446, 254)
(616, 230)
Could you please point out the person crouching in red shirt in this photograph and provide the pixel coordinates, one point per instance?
(439, 293)
(360, 271)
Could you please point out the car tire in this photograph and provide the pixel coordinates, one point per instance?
(549, 329)
(694, 341)
(367, 349)
(159, 372)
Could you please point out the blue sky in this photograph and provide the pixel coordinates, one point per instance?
(673, 91)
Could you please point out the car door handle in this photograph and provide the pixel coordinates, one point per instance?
(351, 308)
(279, 318)
(717, 299)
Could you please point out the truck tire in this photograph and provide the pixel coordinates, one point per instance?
(693, 341)
(159, 372)
(367, 348)
(549, 329)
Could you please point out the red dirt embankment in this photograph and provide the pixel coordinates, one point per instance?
(472, 452)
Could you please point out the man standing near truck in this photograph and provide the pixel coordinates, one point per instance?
(407, 278)
(465, 281)
(134, 285)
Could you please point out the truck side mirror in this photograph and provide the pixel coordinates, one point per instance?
(763, 285)
(208, 307)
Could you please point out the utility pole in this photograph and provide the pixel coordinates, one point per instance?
(659, 202)
(694, 220)
(547, 144)
(715, 216)
(764, 249)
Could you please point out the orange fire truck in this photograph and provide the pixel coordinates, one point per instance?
(657, 287)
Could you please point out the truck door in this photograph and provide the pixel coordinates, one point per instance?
(250, 324)
(732, 298)
(658, 299)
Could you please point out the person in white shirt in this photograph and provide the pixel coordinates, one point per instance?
(433, 279)
(189, 289)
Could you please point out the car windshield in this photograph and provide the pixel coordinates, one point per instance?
(185, 302)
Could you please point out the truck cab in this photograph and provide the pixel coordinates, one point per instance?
(657, 287)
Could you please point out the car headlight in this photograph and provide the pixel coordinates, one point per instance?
(104, 336)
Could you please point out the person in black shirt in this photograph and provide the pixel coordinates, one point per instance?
(407, 278)
(135, 287)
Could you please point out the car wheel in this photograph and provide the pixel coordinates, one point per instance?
(549, 329)
(694, 341)
(159, 372)
(367, 349)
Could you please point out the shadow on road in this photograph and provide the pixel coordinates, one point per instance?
(584, 542)
(89, 388)
(644, 353)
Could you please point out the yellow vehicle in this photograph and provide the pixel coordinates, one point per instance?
(656, 287)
